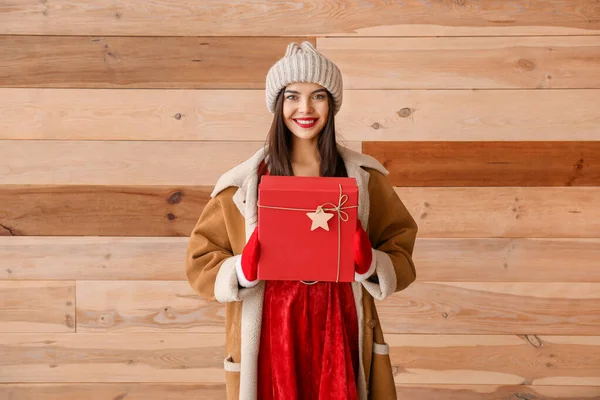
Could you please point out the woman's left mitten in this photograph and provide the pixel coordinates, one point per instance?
(364, 266)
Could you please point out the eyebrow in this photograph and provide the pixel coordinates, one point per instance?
(295, 92)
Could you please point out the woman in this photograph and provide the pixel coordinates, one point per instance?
(290, 340)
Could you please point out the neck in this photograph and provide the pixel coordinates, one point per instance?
(305, 152)
(306, 160)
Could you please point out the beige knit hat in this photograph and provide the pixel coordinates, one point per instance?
(304, 64)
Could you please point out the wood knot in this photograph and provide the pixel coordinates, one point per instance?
(526, 64)
(460, 2)
(534, 341)
(178, 116)
(175, 198)
(579, 164)
(405, 112)
(375, 125)
(523, 396)
(445, 314)
(170, 216)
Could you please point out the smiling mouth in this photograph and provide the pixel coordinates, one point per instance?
(306, 122)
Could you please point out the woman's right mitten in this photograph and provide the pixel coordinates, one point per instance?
(247, 266)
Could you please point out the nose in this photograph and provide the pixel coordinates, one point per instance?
(305, 105)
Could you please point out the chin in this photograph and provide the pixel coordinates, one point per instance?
(304, 136)
(309, 135)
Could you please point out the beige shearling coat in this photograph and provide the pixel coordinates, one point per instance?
(227, 222)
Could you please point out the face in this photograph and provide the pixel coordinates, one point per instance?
(305, 109)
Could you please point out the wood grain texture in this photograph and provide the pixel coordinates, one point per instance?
(101, 210)
(198, 358)
(183, 391)
(26, 162)
(507, 260)
(495, 392)
(138, 62)
(466, 63)
(440, 212)
(424, 307)
(474, 115)
(510, 212)
(130, 163)
(39, 306)
(160, 258)
(379, 18)
(92, 258)
(494, 308)
(566, 163)
(137, 306)
(140, 357)
(112, 391)
(492, 359)
(374, 115)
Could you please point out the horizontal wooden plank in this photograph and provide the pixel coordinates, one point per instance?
(473, 115)
(98, 357)
(138, 62)
(494, 308)
(109, 306)
(498, 163)
(198, 358)
(515, 212)
(39, 306)
(466, 63)
(92, 258)
(113, 391)
(440, 260)
(492, 359)
(183, 391)
(101, 210)
(496, 392)
(137, 163)
(130, 163)
(425, 307)
(215, 18)
(440, 212)
(507, 260)
(374, 115)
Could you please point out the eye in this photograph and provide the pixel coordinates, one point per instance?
(291, 97)
(319, 96)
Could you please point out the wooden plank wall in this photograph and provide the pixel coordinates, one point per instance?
(116, 119)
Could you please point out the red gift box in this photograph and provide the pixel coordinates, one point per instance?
(296, 246)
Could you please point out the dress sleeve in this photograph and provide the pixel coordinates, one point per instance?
(210, 262)
(392, 231)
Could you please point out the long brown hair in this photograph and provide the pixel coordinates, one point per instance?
(279, 144)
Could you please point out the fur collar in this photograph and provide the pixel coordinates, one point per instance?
(238, 176)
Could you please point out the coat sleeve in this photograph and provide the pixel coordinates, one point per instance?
(392, 231)
(210, 261)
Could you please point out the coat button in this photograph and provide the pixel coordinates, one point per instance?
(372, 323)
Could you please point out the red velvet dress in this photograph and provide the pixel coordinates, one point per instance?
(309, 342)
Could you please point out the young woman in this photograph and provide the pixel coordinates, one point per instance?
(285, 339)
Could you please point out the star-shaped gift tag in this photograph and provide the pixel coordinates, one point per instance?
(319, 219)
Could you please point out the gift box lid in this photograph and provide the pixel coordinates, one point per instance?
(301, 182)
